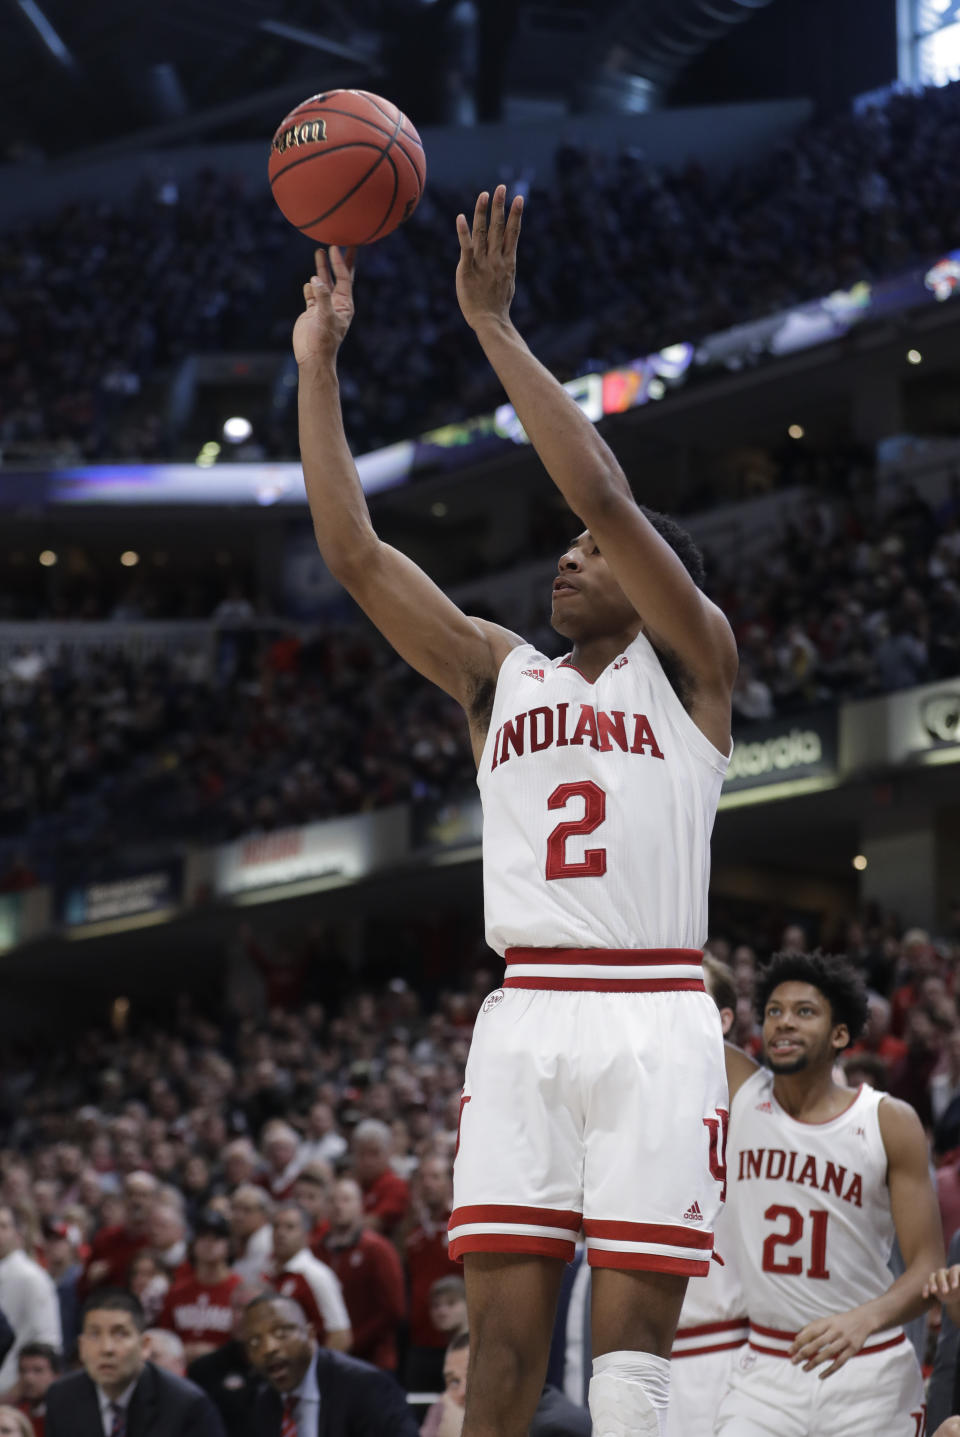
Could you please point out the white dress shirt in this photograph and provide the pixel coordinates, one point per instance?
(306, 1412)
(107, 1404)
(29, 1299)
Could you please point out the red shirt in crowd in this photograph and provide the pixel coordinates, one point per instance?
(889, 1048)
(200, 1311)
(318, 1237)
(36, 1415)
(387, 1198)
(117, 1246)
(427, 1261)
(372, 1280)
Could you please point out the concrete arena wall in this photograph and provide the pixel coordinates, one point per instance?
(719, 136)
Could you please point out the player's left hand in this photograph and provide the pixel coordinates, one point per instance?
(944, 1283)
(487, 270)
(831, 1339)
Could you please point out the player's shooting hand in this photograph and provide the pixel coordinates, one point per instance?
(488, 258)
(321, 329)
(944, 1283)
(831, 1339)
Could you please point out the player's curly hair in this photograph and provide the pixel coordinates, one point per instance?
(833, 974)
(680, 542)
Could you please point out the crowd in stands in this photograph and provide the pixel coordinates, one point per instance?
(197, 1160)
(256, 730)
(101, 299)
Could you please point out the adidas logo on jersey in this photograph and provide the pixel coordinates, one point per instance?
(693, 1214)
(532, 674)
(764, 1107)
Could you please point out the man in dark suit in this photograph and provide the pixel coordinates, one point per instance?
(313, 1391)
(119, 1393)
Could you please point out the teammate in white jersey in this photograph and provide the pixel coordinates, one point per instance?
(595, 1093)
(820, 1181)
(713, 1323)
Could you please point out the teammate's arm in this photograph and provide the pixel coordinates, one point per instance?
(580, 463)
(739, 1067)
(412, 613)
(916, 1219)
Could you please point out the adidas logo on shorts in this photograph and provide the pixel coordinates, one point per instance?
(693, 1214)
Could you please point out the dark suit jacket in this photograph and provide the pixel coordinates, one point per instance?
(356, 1400)
(557, 1416)
(231, 1384)
(161, 1406)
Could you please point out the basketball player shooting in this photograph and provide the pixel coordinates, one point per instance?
(821, 1180)
(595, 1094)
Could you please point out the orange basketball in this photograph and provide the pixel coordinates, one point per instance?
(346, 167)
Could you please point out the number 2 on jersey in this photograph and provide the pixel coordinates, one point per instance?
(793, 1266)
(594, 863)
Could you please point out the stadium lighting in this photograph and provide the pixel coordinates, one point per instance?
(48, 558)
(129, 558)
(914, 356)
(439, 509)
(208, 454)
(656, 389)
(795, 431)
(237, 429)
(859, 862)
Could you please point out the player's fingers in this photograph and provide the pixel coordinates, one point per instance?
(480, 223)
(498, 217)
(320, 260)
(341, 266)
(835, 1366)
(511, 233)
(309, 294)
(463, 235)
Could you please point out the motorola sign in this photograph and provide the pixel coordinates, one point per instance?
(782, 751)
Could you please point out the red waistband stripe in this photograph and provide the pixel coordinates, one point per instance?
(774, 1343)
(605, 970)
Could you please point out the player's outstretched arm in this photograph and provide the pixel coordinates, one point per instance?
(579, 462)
(460, 654)
(739, 1068)
(916, 1218)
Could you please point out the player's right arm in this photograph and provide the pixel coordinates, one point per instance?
(460, 654)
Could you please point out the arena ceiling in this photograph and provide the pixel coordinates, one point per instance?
(80, 76)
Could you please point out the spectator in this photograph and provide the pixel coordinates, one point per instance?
(876, 1038)
(312, 1191)
(945, 1079)
(38, 1365)
(62, 1263)
(164, 1349)
(149, 1283)
(14, 1424)
(322, 1140)
(114, 1246)
(556, 1415)
(119, 1390)
(433, 1277)
(281, 1148)
(28, 1298)
(198, 1306)
(168, 1235)
(252, 1231)
(370, 1275)
(385, 1194)
(227, 1376)
(298, 1274)
(305, 1379)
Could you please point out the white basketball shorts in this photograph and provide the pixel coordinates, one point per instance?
(875, 1394)
(699, 1379)
(595, 1098)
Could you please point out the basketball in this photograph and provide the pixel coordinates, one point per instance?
(346, 167)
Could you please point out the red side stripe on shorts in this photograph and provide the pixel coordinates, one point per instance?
(504, 1212)
(610, 985)
(607, 957)
(649, 1232)
(647, 1262)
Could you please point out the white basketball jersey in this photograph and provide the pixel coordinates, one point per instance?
(810, 1207)
(598, 801)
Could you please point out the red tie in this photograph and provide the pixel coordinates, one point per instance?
(288, 1427)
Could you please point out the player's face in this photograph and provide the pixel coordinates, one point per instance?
(588, 602)
(798, 1029)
